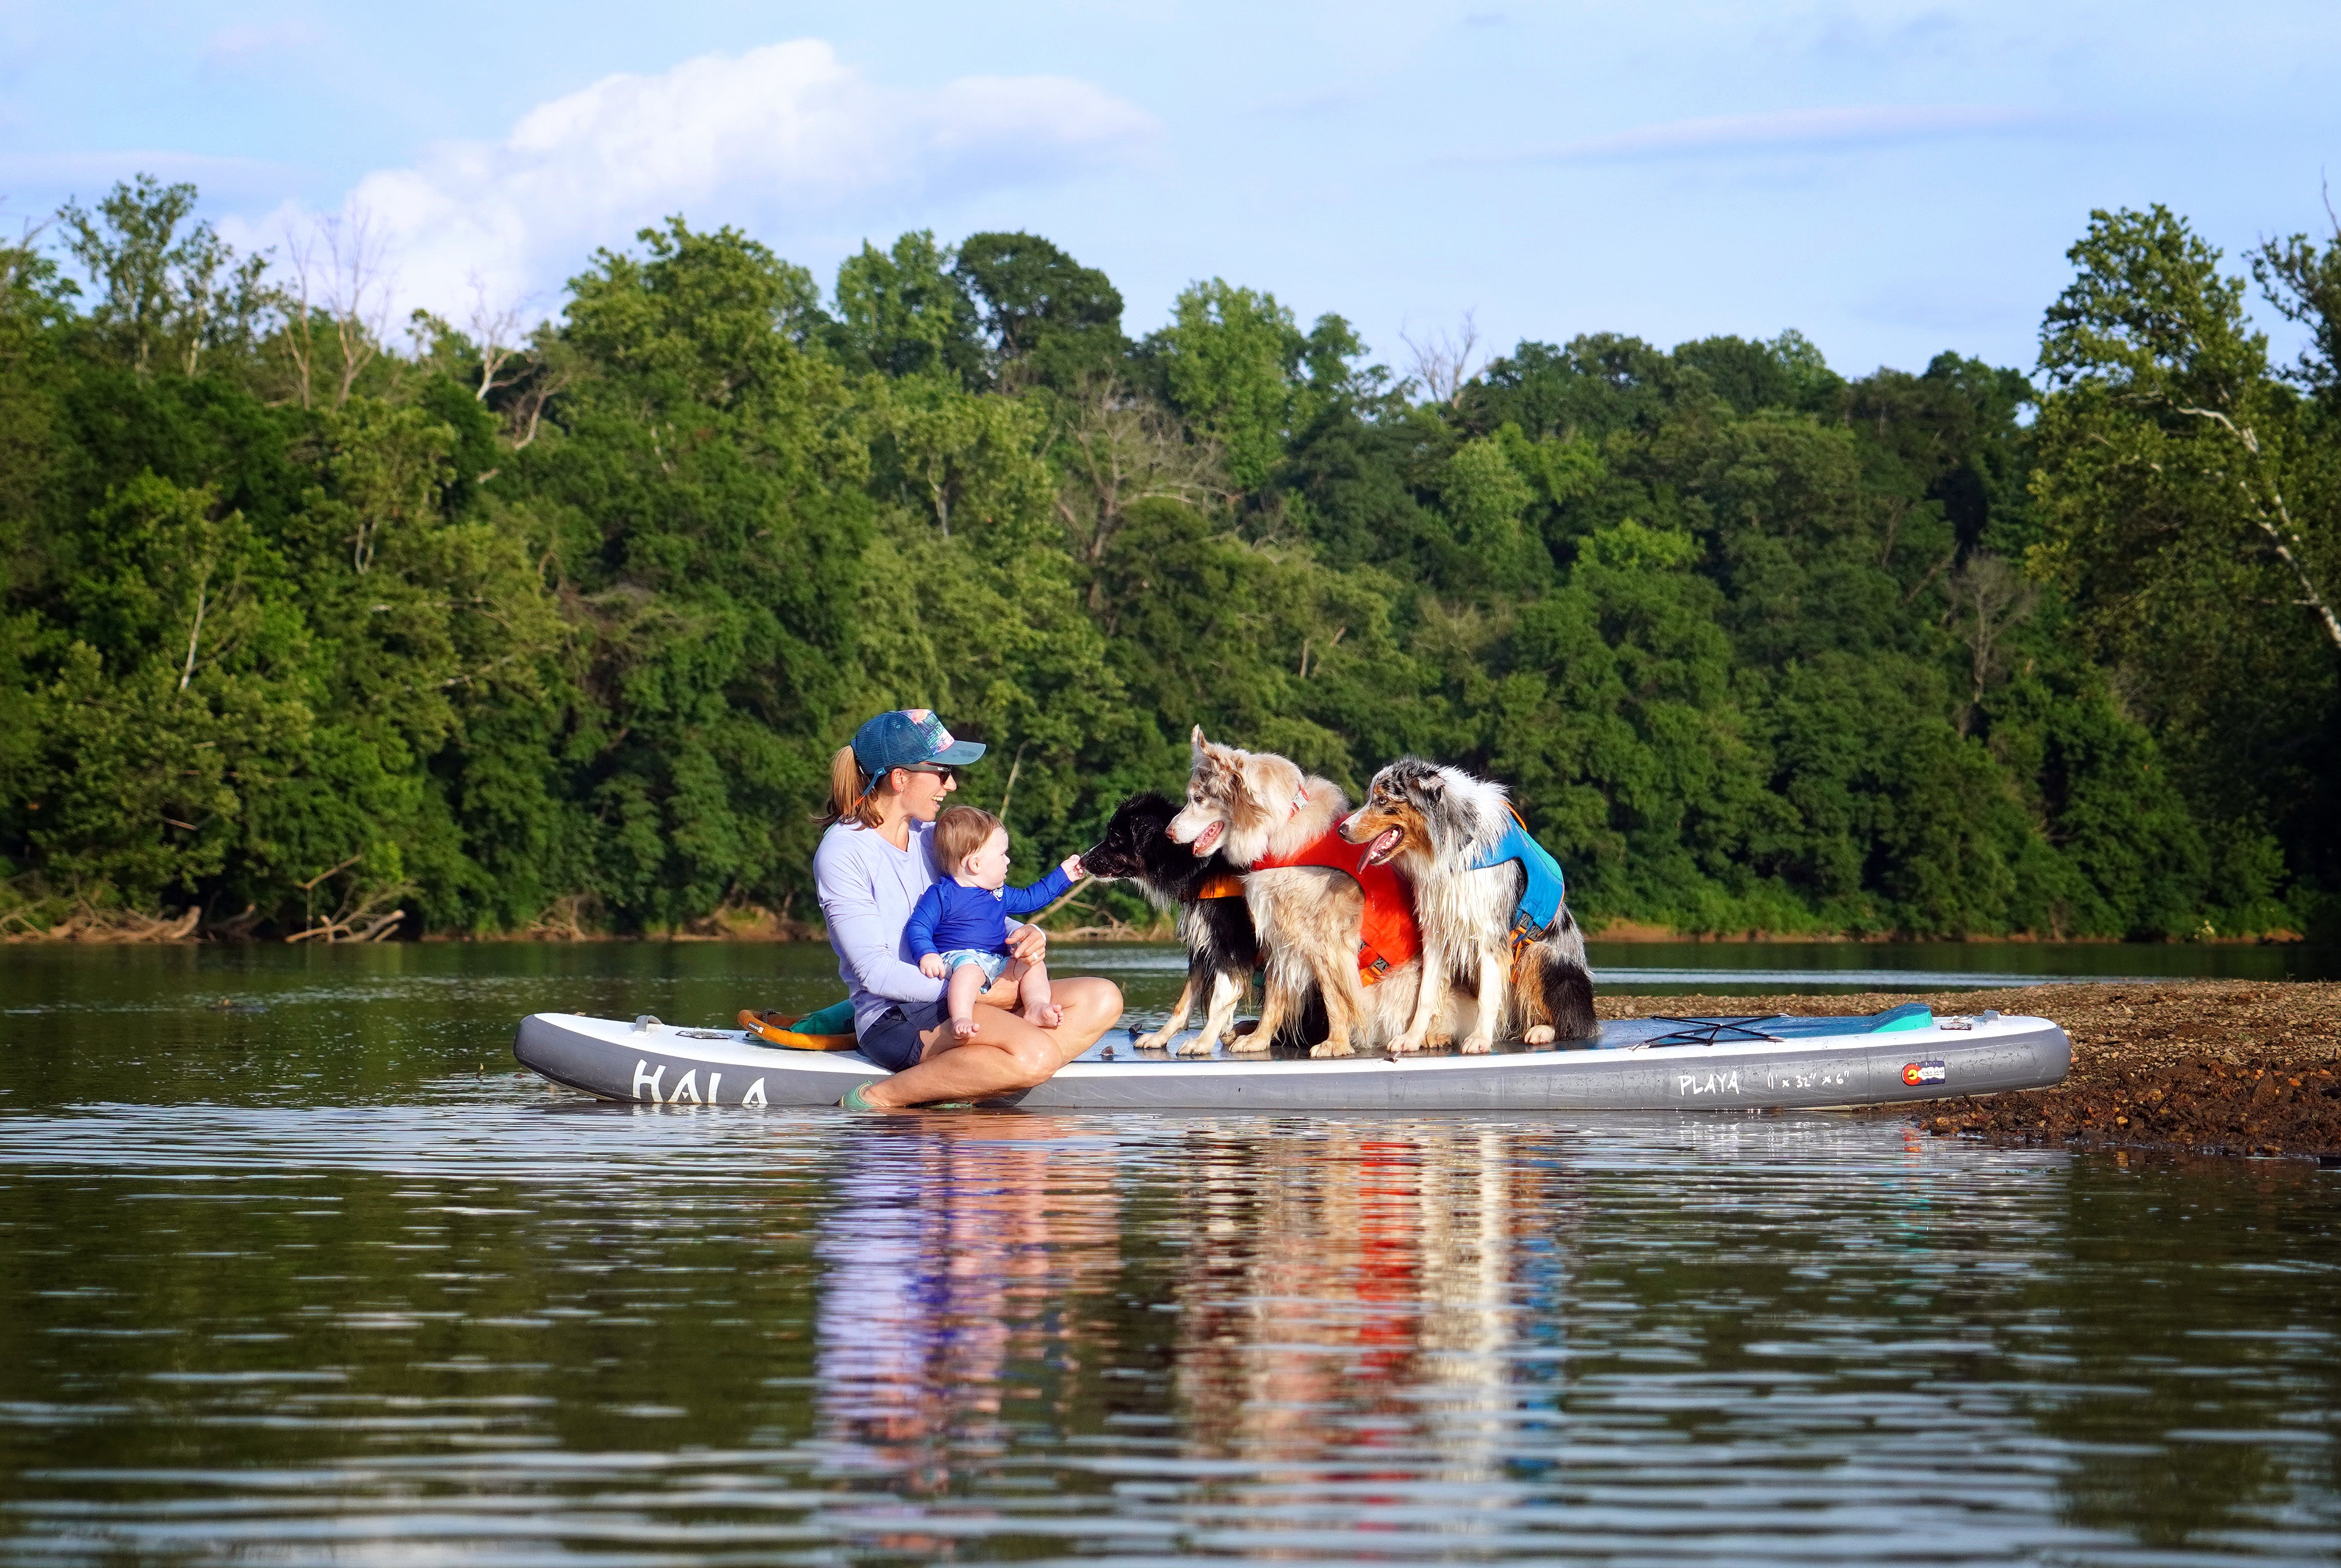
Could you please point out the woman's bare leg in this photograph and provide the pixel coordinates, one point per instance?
(1009, 1053)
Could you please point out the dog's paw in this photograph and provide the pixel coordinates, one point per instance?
(1251, 1042)
(1332, 1048)
(1198, 1043)
(1538, 1034)
(1405, 1044)
(1438, 1040)
(1477, 1046)
(1153, 1042)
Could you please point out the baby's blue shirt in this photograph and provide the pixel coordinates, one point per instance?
(952, 917)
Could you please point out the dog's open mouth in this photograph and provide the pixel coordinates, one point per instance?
(1209, 839)
(1384, 846)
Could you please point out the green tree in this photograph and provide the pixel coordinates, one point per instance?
(958, 457)
(705, 492)
(169, 291)
(712, 318)
(2190, 504)
(177, 695)
(558, 630)
(2304, 284)
(1051, 321)
(2168, 449)
(905, 311)
(1244, 374)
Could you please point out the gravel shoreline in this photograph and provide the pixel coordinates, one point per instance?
(2200, 1067)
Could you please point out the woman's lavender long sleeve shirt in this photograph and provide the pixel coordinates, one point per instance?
(867, 889)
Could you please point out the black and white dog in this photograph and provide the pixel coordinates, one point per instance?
(1222, 950)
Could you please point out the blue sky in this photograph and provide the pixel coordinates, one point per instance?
(1891, 179)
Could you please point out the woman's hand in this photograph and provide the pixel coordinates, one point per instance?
(1029, 943)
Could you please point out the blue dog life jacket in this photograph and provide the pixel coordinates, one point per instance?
(1544, 887)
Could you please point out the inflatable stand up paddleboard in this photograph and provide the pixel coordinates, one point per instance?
(1634, 1063)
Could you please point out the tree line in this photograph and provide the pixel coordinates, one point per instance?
(319, 625)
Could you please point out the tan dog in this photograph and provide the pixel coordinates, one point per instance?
(1252, 805)
(1433, 823)
(1245, 804)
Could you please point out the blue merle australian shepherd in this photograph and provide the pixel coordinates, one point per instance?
(1444, 830)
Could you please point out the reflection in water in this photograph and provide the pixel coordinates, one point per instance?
(1346, 1287)
(1412, 1336)
(953, 1255)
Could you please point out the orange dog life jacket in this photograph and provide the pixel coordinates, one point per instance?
(1390, 938)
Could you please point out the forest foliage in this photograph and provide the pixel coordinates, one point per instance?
(315, 624)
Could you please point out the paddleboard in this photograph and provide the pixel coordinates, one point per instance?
(1713, 1063)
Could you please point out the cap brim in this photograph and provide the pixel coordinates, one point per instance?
(960, 753)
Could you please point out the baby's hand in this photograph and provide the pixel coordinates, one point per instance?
(1072, 867)
(931, 966)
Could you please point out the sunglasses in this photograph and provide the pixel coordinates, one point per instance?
(942, 772)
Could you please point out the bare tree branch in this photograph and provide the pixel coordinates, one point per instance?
(301, 250)
(357, 294)
(195, 635)
(1117, 448)
(495, 329)
(337, 271)
(2283, 535)
(1442, 363)
(1992, 596)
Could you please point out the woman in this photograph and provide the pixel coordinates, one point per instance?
(874, 863)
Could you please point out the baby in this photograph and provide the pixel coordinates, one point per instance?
(958, 928)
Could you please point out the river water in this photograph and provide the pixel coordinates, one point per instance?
(328, 1282)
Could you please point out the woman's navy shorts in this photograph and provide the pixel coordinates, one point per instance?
(892, 1040)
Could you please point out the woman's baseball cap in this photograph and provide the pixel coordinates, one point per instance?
(907, 738)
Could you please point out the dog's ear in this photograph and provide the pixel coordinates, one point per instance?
(1211, 757)
(1201, 747)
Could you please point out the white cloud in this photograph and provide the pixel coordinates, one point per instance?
(1796, 128)
(777, 140)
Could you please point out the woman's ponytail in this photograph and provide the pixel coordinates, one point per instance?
(851, 797)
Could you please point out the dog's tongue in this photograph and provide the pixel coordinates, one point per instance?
(1381, 849)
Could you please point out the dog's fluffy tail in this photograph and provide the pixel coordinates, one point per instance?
(1567, 996)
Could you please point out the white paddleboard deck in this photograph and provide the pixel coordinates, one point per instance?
(1639, 1064)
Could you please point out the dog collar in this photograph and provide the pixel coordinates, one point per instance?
(1298, 801)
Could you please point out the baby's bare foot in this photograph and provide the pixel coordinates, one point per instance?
(963, 1028)
(1046, 1014)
